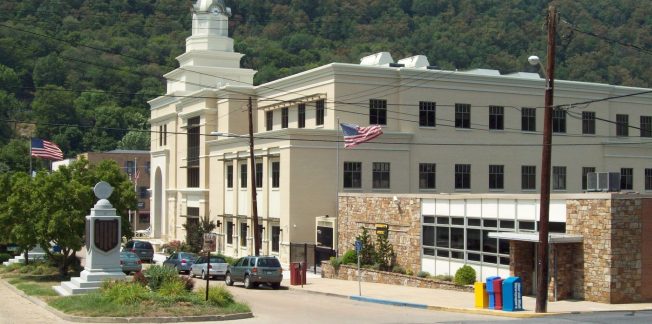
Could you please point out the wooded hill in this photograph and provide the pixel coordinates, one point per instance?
(52, 50)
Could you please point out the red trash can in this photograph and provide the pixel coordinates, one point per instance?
(297, 273)
(498, 290)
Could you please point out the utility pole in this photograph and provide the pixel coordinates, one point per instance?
(542, 262)
(254, 205)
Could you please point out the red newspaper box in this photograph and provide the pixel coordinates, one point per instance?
(498, 291)
(297, 273)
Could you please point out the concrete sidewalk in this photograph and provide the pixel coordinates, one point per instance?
(445, 300)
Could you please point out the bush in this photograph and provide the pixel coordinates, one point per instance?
(217, 296)
(156, 275)
(465, 275)
(448, 278)
(350, 257)
(4, 257)
(336, 262)
(124, 293)
(409, 272)
(172, 288)
(423, 274)
(171, 246)
(396, 269)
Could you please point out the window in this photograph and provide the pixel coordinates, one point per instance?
(276, 235)
(427, 114)
(352, 174)
(559, 121)
(284, 117)
(528, 119)
(163, 135)
(269, 120)
(302, 115)
(243, 175)
(585, 172)
(558, 178)
(229, 232)
(259, 175)
(130, 168)
(648, 179)
(380, 175)
(427, 175)
(588, 122)
(496, 117)
(377, 112)
(646, 126)
(142, 192)
(622, 125)
(243, 234)
(319, 112)
(462, 116)
(496, 177)
(276, 174)
(528, 177)
(626, 179)
(462, 176)
(229, 176)
(193, 153)
(148, 167)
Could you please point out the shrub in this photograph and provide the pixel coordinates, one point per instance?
(139, 278)
(368, 252)
(156, 275)
(217, 296)
(350, 257)
(171, 246)
(4, 257)
(396, 269)
(443, 278)
(124, 293)
(409, 272)
(336, 262)
(188, 283)
(172, 288)
(465, 275)
(384, 254)
(423, 274)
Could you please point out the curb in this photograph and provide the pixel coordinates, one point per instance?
(168, 319)
(388, 302)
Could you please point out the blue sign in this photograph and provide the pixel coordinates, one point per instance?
(358, 246)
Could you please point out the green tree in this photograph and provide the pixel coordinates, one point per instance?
(15, 156)
(195, 231)
(135, 140)
(368, 252)
(20, 213)
(384, 253)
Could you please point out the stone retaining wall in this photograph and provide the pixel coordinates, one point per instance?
(346, 272)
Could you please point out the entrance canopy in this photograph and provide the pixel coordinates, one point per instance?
(534, 237)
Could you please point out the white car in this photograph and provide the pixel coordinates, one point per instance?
(217, 267)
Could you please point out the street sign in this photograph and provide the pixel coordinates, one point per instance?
(382, 230)
(358, 246)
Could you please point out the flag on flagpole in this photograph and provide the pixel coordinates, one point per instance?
(136, 175)
(354, 134)
(46, 150)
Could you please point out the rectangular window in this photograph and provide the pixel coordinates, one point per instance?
(559, 121)
(243, 175)
(585, 172)
(558, 178)
(259, 175)
(496, 177)
(528, 177)
(269, 120)
(229, 232)
(648, 179)
(496, 117)
(622, 125)
(276, 174)
(302, 115)
(427, 113)
(462, 115)
(193, 152)
(284, 117)
(142, 192)
(462, 176)
(243, 234)
(427, 175)
(229, 176)
(276, 235)
(646, 126)
(148, 167)
(626, 179)
(319, 112)
(380, 175)
(130, 168)
(377, 112)
(528, 119)
(163, 135)
(352, 175)
(588, 122)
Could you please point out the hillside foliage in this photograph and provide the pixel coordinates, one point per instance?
(83, 70)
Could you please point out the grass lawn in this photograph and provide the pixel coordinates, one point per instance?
(35, 285)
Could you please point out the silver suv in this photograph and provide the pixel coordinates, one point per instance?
(143, 250)
(254, 270)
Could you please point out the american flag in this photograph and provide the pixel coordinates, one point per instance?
(44, 149)
(354, 134)
(136, 175)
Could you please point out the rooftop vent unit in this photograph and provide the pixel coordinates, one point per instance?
(378, 59)
(417, 61)
(484, 72)
(603, 181)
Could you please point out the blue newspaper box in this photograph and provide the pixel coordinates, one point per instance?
(491, 292)
(512, 294)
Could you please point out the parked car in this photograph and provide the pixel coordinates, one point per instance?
(218, 267)
(130, 262)
(254, 270)
(143, 249)
(182, 261)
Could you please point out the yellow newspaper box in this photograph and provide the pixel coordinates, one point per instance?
(481, 296)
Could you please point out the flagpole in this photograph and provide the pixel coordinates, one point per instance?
(30, 157)
(337, 188)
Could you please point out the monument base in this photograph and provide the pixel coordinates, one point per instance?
(88, 281)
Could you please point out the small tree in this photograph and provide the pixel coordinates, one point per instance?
(384, 253)
(195, 233)
(367, 253)
(465, 275)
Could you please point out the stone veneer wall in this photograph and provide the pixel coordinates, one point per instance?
(626, 234)
(346, 272)
(403, 218)
(519, 255)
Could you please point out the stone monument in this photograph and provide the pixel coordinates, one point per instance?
(103, 238)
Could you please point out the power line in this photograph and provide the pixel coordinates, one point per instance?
(604, 38)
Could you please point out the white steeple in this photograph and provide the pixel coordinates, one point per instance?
(209, 60)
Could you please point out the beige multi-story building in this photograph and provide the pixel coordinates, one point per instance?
(445, 132)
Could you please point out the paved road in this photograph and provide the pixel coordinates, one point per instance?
(592, 318)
